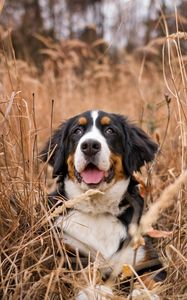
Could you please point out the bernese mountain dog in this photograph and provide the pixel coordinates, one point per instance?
(100, 150)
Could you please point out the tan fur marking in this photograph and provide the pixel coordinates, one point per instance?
(116, 161)
(105, 120)
(82, 121)
(148, 253)
(70, 163)
(147, 262)
(148, 281)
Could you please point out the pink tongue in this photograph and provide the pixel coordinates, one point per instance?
(92, 176)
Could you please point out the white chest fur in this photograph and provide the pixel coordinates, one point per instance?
(103, 232)
(94, 223)
(106, 203)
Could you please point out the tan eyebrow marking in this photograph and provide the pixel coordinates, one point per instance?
(82, 121)
(105, 120)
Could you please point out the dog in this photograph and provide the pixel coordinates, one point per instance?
(101, 151)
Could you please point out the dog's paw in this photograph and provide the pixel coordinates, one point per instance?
(139, 294)
(99, 292)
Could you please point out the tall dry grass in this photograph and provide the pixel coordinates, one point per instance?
(78, 77)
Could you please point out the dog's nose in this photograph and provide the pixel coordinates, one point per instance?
(90, 147)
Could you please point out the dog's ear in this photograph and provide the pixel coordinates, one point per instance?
(55, 150)
(139, 148)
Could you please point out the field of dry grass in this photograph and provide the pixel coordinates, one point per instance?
(152, 92)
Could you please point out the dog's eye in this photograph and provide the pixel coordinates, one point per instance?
(109, 130)
(78, 131)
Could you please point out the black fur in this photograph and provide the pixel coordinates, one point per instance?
(57, 149)
(130, 141)
(132, 197)
(137, 146)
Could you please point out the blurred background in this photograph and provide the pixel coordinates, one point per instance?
(125, 25)
(86, 54)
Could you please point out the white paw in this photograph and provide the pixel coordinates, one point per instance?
(99, 292)
(141, 294)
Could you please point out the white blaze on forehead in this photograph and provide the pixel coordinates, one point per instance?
(103, 155)
(94, 115)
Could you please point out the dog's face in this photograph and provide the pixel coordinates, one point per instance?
(96, 149)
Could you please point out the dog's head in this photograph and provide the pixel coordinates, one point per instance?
(97, 148)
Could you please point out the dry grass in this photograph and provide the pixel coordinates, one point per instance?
(30, 264)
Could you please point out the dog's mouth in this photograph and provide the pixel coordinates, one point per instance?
(92, 175)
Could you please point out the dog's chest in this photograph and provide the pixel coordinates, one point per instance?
(102, 232)
(102, 204)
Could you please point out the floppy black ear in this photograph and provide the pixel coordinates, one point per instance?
(139, 148)
(55, 150)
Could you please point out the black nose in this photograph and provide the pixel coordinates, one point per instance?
(90, 147)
